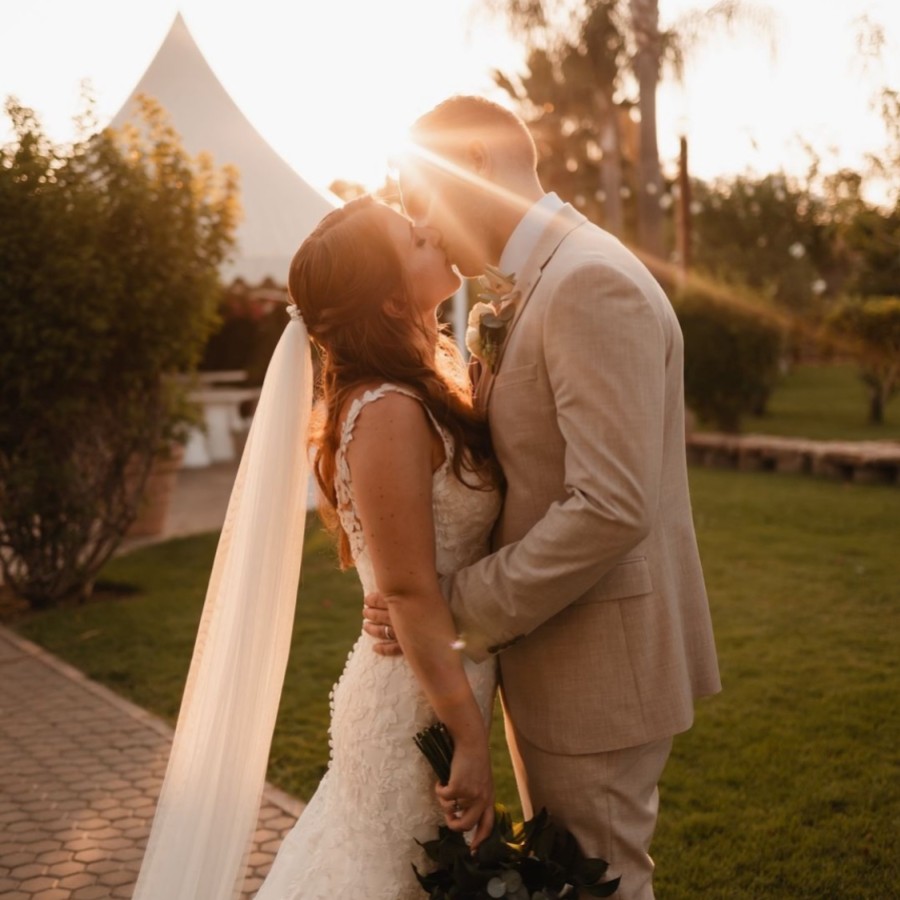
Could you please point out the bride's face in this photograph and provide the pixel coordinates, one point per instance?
(430, 276)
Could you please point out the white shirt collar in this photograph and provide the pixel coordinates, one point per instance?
(527, 233)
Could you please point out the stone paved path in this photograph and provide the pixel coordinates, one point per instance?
(81, 767)
(80, 770)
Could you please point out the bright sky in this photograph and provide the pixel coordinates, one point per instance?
(331, 84)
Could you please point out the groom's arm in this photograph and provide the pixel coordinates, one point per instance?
(605, 350)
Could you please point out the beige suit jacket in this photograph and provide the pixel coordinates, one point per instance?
(594, 597)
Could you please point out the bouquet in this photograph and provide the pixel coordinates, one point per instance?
(534, 860)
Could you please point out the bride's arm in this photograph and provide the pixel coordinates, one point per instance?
(391, 461)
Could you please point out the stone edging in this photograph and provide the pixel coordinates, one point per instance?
(862, 462)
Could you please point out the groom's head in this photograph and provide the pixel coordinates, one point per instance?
(470, 174)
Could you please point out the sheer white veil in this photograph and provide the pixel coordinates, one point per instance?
(210, 797)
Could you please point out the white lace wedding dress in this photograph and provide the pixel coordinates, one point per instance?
(357, 837)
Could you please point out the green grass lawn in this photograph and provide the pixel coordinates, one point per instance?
(788, 786)
(824, 402)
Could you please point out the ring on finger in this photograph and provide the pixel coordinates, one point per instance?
(388, 633)
(457, 810)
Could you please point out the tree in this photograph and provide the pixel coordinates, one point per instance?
(769, 234)
(874, 324)
(109, 257)
(571, 99)
(548, 24)
(655, 50)
(646, 63)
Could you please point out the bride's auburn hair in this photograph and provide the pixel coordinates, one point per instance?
(343, 278)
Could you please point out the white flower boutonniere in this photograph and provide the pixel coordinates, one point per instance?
(490, 319)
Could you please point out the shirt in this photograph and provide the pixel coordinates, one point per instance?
(527, 233)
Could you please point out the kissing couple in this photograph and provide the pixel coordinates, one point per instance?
(527, 529)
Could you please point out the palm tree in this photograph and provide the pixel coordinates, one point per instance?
(548, 23)
(652, 50)
(569, 95)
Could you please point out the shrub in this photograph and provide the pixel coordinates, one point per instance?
(873, 325)
(731, 359)
(109, 256)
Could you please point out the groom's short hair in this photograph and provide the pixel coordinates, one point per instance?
(449, 127)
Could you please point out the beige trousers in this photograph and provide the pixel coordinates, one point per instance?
(609, 801)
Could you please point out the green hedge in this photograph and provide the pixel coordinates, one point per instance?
(731, 359)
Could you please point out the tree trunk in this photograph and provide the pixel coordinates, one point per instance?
(684, 213)
(645, 22)
(610, 164)
(876, 405)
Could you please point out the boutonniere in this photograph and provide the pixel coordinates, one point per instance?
(490, 319)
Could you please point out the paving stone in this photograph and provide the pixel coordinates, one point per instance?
(117, 813)
(94, 892)
(94, 824)
(33, 885)
(77, 880)
(105, 833)
(64, 869)
(116, 843)
(116, 877)
(79, 843)
(103, 866)
(29, 870)
(45, 846)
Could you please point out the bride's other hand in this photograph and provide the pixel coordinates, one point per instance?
(467, 800)
(377, 624)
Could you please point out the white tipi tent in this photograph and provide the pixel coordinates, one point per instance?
(279, 207)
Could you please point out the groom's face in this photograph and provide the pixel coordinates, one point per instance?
(442, 199)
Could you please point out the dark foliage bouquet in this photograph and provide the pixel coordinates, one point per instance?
(535, 860)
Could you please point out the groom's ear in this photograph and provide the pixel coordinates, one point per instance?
(478, 158)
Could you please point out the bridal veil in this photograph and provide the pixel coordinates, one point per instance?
(210, 797)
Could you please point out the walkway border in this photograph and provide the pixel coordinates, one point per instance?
(862, 462)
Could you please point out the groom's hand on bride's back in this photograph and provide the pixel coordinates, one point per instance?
(377, 623)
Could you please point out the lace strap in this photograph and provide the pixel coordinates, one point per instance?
(346, 507)
(376, 394)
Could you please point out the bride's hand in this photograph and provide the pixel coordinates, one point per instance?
(468, 798)
(377, 623)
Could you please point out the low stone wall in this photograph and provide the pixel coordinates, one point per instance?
(863, 462)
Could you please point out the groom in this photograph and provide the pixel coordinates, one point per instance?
(594, 596)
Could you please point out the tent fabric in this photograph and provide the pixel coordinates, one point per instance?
(279, 207)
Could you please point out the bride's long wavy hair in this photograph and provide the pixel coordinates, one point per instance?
(342, 278)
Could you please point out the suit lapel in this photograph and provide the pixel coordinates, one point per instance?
(565, 221)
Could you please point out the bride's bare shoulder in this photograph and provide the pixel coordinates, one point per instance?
(379, 408)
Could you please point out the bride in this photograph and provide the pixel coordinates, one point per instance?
(406, 471)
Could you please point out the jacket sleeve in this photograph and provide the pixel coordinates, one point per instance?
(605, 349)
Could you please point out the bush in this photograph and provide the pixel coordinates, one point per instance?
(731, 359)
(109, 256)
(873, 325)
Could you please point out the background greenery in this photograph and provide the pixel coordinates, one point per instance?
(109, 276)
(789, 782)
(824, 402)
